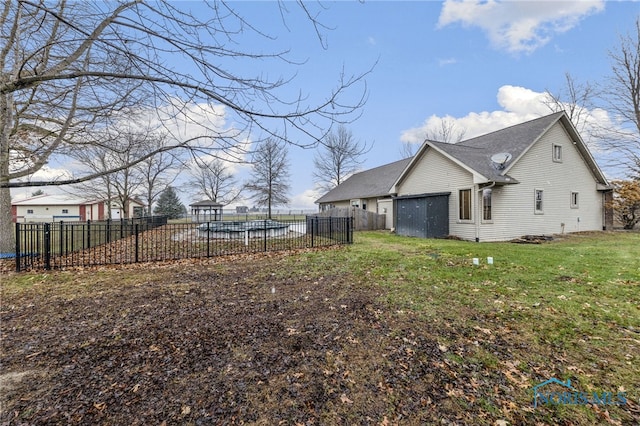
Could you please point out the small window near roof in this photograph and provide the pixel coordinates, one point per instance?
(574, 200)
(557, 153)
(29, 211)
(65, 211)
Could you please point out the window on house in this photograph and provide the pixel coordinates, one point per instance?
(364, 205)
(557, 153)
(574, 200)
(538, 200)
(65, 211)
(29, 211)
(486, 204)
(464, 197)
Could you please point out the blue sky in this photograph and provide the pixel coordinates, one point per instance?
(483, 64)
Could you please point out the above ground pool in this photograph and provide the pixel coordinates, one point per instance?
(254, 228)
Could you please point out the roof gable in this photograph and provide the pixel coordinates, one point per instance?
(477, 154)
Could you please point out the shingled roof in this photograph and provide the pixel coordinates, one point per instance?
(476, 154)
(370, 183)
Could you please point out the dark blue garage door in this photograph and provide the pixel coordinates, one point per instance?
(425, 216)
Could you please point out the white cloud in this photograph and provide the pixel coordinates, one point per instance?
(518, 26)
(46, 173)
(305, 200)
(519, 104)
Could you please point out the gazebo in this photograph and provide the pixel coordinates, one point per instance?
(210, 210)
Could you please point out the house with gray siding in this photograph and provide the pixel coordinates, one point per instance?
(534, 178)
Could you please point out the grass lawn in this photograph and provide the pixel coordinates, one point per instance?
(390, 330)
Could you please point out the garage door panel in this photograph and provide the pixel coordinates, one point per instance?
(425, 216)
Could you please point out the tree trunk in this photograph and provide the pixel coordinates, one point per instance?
(7, 239)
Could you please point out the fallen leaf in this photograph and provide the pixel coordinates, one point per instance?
(345, 399)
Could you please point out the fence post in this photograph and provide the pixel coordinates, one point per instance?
(208, 241)
(88, 234)
(108, 230)
(135, 230)
(17, 246)
(47, 246)
(62, 234)
(265, 235)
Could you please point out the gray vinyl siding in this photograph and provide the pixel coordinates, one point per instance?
(513, 205)
(435, 173)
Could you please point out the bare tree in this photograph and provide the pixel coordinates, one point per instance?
(622, 96)
(157, 172)
(408, 149)
(338, 157)
(214, 182)
(121, 186)
(576, 99)
(71, 69)
(446, 130)
(270, 175)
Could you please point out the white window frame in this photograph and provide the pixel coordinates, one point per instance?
(468, 210)
(538, 202)
(574, 201)
(557, 153)
(486, 219)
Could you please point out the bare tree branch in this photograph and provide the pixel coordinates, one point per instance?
(270, 175)
(73, 73)
(339, 156)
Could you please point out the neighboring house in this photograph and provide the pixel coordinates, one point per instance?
(368, 190)
(60, 207)
(534, 178)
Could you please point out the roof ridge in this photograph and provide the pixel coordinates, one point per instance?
(559, 113)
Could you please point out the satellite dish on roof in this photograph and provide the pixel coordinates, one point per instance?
(501, 158)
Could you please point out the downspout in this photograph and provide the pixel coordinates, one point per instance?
(479, 208)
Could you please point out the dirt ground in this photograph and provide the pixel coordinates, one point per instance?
(235, 343)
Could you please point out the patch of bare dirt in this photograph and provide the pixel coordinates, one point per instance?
(239, 343)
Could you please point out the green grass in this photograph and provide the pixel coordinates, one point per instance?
(567, 308)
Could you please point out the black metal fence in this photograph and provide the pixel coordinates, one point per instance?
(72, 244)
